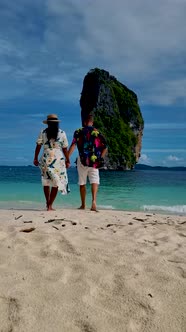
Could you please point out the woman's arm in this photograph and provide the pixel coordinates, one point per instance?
(67, 161)
(37, 150)
(71, 150)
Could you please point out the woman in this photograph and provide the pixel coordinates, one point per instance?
(52, 163)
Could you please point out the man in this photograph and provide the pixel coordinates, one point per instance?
(92, 149)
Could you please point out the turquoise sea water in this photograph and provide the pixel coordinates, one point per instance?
(144, 190)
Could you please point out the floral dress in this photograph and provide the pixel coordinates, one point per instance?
(52, 162)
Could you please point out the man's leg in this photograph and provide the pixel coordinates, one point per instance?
(94, 187)
(53, 194)
(82, 179)
(83, 196)
(93, 175)
(47, 194)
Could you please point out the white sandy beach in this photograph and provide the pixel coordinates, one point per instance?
(85, 271)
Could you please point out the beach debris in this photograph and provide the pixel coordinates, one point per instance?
(130, 223)
(88, 227)
(52, 220)
(140, 219)
(27, 221)
(16, 218)
(63, 225)
(56, 228)
(71, 221)
(183, 222)
(117, 225)
(150, 295)
(28, 230)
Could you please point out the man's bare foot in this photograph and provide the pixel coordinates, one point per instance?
(82, 207)
(93, 207)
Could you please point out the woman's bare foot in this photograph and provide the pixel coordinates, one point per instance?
(50, 208)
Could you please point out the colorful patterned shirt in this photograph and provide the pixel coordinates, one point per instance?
(90, 143)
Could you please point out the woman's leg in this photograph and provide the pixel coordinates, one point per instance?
(47, 195)
(53, 195)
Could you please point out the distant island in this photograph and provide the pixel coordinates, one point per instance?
(137, 167)
(159, 168)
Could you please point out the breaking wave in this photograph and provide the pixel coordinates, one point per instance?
(171, 209)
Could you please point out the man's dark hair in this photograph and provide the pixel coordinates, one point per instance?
(52, 130)
(88, 117)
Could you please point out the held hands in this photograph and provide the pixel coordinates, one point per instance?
(67, 163)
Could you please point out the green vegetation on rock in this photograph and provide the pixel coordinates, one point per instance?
(116, 114)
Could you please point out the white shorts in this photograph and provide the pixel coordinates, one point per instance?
(84, 171)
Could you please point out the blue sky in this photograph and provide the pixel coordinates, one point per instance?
(47, 47)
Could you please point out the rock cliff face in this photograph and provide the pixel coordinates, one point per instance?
(116, 114)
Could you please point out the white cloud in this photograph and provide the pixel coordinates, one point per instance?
(168, 125)
(164, 150)
(144, 159)
(174, 158)
(167, 93)
(47, 46)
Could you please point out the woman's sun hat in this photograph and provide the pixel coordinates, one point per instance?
(51, 118)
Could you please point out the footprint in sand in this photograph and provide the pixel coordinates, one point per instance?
(180, 270)
(155, 243)
(86, 327)
(9, 313)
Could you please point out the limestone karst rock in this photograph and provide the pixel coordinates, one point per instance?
(117, 115)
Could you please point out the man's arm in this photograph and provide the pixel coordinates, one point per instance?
(104, 153)
(37, 150)
(104, 146)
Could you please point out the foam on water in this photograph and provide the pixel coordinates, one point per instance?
(171, 209)
(106, 207)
